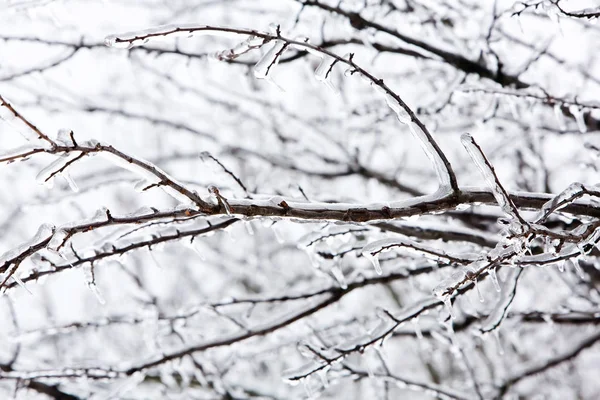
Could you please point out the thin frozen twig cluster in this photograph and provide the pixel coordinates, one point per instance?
(297, 242)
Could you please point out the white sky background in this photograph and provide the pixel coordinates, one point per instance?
(118, 96)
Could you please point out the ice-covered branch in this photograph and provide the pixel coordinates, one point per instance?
(454, 59)
(10, 114)
(323, 299)
(589, 13)
(541, 366)
(488, 172)
(374, 249)
(508, 293)
(567, 196)
(151, 173)
(410, 384)
(112, 250)
(58, 237)
(446, 176)
(10, 261)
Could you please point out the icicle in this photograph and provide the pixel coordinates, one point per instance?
(277, 232)
(448, 303)
(264, 66)
(401, 113)
(375, 261)
(478, 290)
(494, 278)
(46, 175)
(190, 244)
(418, 332)
(496, 334)
(249, 228)
(432, 154)
(579, 117)
(67, 177)
(307, 388)
(512, 105)
(338, 274)
(323, 71)
(94, 288)
(560, 117)
(21, 283)
(231, 235)
(154, 260)
(577, 268)
(323, 377)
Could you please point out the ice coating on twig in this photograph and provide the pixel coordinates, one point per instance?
(487, 170)
(507, 296)
(324, 70)
(574, 191)
(128, 40)
(43, 235)
(90, 281)
(401, 113)
(250, 43)
(70, 181)
(433, 155)
(47, 175)
(440, 290)
(64, 138)
(579, 117)
(269, 60)
(414, 310)
(374, 248)
(338, 274)
(18, 125)
(147, 174)
(17, 152)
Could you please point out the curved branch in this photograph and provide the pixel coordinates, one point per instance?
(441, 163)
